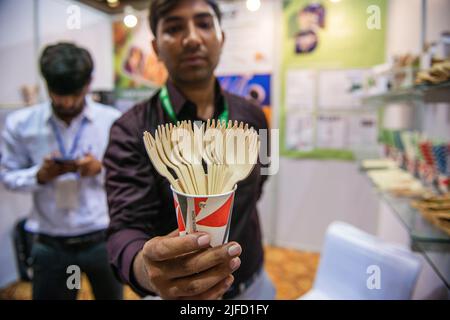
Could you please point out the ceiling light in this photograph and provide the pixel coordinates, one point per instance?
(253, 5)
(113, 3)
(130, 20)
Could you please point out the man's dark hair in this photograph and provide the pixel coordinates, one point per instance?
(159, 8)
(66, 68)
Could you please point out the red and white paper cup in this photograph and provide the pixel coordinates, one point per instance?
(205, 213)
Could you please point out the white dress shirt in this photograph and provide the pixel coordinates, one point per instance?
(28, 137)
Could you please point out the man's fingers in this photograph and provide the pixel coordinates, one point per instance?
(164, 248)
(48, 160)
(201, 282)
(82, 161)
(202, 260)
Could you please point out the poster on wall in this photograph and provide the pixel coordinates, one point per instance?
(322, 34)
(331, 132)
(340, 89)
(363, 130)
(300, 88)
(137, 71)
(300, 135)
(246, 64)
(248, 45)
(320, 75)
(254, 87)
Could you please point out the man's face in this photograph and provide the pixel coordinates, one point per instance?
(189, 41)
(67, 107)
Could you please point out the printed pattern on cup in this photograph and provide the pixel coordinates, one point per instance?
(205, 214)
(180, 217)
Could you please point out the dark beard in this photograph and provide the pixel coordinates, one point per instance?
(68, 114)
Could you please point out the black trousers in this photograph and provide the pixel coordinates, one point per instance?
(53, 278)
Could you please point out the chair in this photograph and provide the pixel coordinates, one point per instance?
(356, 265)
(23, 242)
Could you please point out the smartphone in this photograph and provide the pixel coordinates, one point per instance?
(64, 160)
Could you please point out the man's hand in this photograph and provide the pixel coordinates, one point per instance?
(89, 166)
(186, 267)
(50, 170)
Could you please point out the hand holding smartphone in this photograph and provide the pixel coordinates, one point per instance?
(67, 164)
(53, 167)
(66, 161)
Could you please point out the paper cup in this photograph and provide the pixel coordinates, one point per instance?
(205, 213)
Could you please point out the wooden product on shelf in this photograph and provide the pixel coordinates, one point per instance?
(435, 209)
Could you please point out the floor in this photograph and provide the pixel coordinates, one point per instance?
(292, 272)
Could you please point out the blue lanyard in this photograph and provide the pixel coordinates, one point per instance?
(76, 140)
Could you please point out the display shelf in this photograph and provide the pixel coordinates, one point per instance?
(409, 94)
(435, 93)
(422, 93)
(426, 239)
(438, 256)
(418, 227)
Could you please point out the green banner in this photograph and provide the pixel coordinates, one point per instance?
(324, 35)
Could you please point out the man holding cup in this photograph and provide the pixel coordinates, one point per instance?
(144, 250)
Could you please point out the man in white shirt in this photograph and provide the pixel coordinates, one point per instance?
(54, 150)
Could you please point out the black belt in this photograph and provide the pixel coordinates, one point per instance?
(239, 288)
(74, 242)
